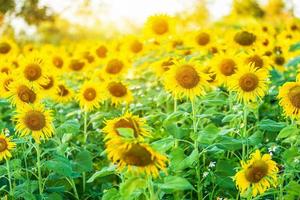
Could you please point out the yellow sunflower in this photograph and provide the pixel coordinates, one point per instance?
(202, 40)
(90, 96)
(21, 93)
(115, 67)
(159, 26)
(289, 95)
(162, 65)
(185, 79)
(118, 92)
(128, 120)
(101, 50)
(6, 66)
(5, 81)
(244, 39)
(259, 59)
(138, 158)
(63, 94)
(6, 146)
(56, 60)
(257, 174)
(133, 45)
(8, 47)
(76, 64)
(250, 83)
(50, 87)
(34, 120)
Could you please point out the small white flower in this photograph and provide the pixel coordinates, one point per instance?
(205, 174)
(212, 164)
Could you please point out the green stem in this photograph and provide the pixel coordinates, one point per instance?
(245, 133)
(72, 183)
(38, 156)
(151, 190)
(11, 190)
(85, 133)
(175, 104)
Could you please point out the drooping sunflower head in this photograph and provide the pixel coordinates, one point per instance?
(118, 92)
(244, 39)
(185, 79)
(6, 146)
(159, 26)
(138, 158)
(128, 121)
(289, 95)
(90, 96)
(250, 83)
(257, 174)
(35, 121)
(63, 93)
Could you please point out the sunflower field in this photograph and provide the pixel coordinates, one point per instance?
(181, 107)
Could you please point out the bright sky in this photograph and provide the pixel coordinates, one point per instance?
(120, 11)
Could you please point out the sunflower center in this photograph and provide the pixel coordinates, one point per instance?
(244, 38)
(294, 96)
(63, 91)
(127, 123)
(5, 70)
(35, 120)
(227, 66)
(101, 51)
(177, 43)
(160, 26)
(166, 64)
(89, 57)
(265, 42)
(58, 62)
(117, 89)
(76, 65)
(6, 84)
(26, 94)
(187, 76)
(279, 60)
(32, 72)
(256, 171)
(4, 48)
(202, 39)
(90, 94)
(114, 66)
(3, 145)
(248, 82)
(256, 60)
(136, 46)
(49, 84)
(138, 156)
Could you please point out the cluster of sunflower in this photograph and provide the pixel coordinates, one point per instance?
(189, 62)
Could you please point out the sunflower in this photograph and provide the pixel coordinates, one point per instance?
(224, 65)
(185, 79)
(289, 95)
(259, 59)
(21, 93)
(138, 158)
(76, 64)
(57, 59)
(34, 120)
(258, 174)
(133, 45)
(50, 87)
(6, 145)
(245, 39)
(128, 120)
(159, 26)
(63, 94)
(90, 96)
(101, 50)
(5, 81)
(202, 39)
(250, 83)
(8, 47)
(118, 92)
(115, 67)
(6, 66)
(163, 65)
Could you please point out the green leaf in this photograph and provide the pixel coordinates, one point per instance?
(163, 144)
(83, 161)
(131, 185)
(111, 194)
(175, 183)
(288, 131)
(70, 126)
(270, 125)
(209, 134)
(293, 188)
(103, 172)
(59, 165)
(126, 132)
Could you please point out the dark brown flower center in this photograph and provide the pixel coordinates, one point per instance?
(3, 145)
(256, 60)
(89, 57)
(89, 94)
(117, 89)
(49, 85)
(136, 46)
(4, 48)
(114, 66)
(101, 51)
(202, 39)
(256, 171)
(187, 76)
(32, 72)
(248, 82)
(279, 60)
(58, 62)
(76, 65)
(244, 38)
(35, 120)
(25, 94)
(166, 64)
(294, 96)
(5, 70)
(6, 84)
(137, 155)
(127, 123)
(160, 26)
(227, 66)
(63, 91)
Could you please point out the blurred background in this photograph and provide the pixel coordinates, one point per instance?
(40, 19)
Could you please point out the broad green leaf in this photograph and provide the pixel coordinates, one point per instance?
(163, 144)
(70, 126)
(126, 132)
(111, 194)
(209, 134)
(293, 188)
(287, 132)
(83, 161)
(59, 165)
(131, 185)
(103, 172)
(176, 183)
(270, 125)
